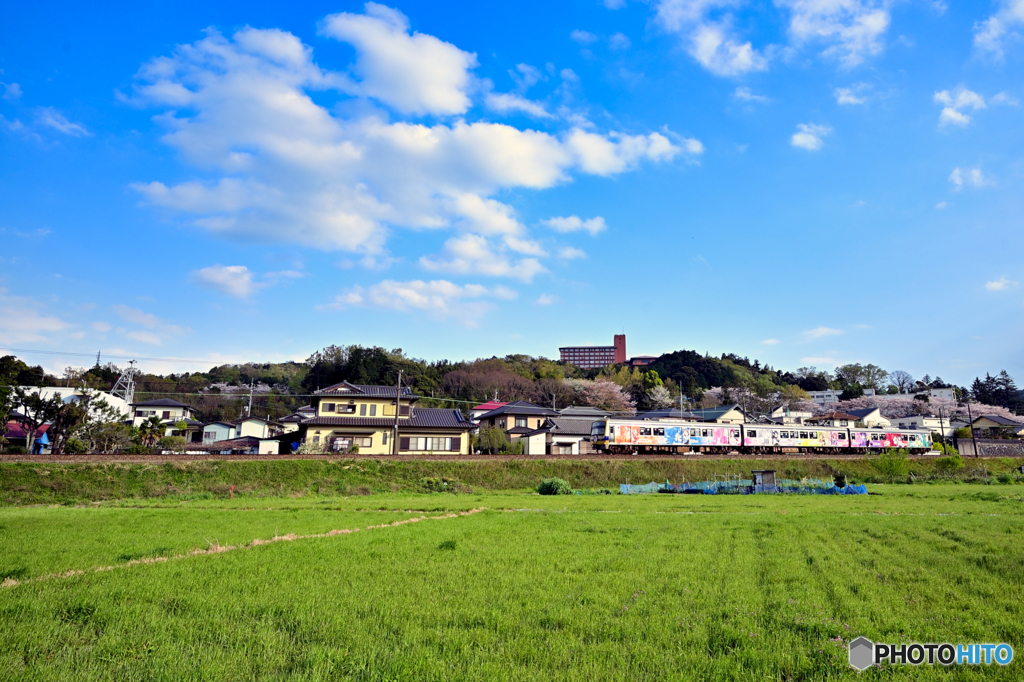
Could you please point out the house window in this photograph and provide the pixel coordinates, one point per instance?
(521, 422)
(563, 449)
(373, 410)
(385, 439)
(328, 407)
(403, 411)
(209, 435)
(362, 410)
(316, 440)
(843, 422)
(429, 444)
(167, 414)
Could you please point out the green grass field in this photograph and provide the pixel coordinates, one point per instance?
(591, 587)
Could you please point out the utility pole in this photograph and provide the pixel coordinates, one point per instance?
(398, 404)
(97, 358)
(974, 436)
(248, 411)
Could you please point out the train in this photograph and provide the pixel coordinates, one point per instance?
(639, 436)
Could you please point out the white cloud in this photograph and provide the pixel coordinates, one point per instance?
(808, 136)
(22, 322)
(709, 41)
(1000, 284)
(770, 342)
(744, 94)
(960, 98)
(574, 223)
(546, 299)
(154, 326)
(990, 35)
(941, 205)
(414, 73)
(526, 76)
(51, 118)
(233, 280)
(852, 29)
(614, 4)
(508, 102)
(101, 327)
(440, 298)
(847, 96)
(524, 246)
(283, 168)
(971, 177)
(1004, 98)
(582, 37)
(619, 42)
(820, 333)
(571, 253)
(473, 254)
(12, 91)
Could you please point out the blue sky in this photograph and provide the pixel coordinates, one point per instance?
(804, 181)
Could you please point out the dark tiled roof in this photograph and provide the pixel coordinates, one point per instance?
(832, 416)
(345, 389)
(521, 407)
(998, 419)
(161, 402)
(572, 427)
(221, 423)
(422, 418)
(860, 414)
(576, 412)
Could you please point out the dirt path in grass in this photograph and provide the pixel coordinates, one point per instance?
(216, 548)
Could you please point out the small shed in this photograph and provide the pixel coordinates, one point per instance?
(763, 477)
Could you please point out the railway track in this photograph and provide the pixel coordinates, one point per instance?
(164, 459)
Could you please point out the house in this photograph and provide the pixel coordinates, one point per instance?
(870, 417)
(784, 415)
(17, 436)
(350, 416)
(921, 422)
(558, 436)
(257, 428)
(591, 413)
(484, 408)
(832, 396)
(218, 431)
(290, 424)
(994, 425)
(192, 433)
(833, 419)
(517, 418)
(164, 408)
(72, 393)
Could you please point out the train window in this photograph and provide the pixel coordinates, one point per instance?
(735, 433)
(704, 433)
(803, 434)
(644, 431)
(784, 434)
(752, 433)
(659, 432)
(842, 436)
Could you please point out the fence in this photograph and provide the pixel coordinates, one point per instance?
(991, 447)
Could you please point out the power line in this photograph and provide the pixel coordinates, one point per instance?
(110, 355)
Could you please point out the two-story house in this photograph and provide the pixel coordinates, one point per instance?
(352, 415)
(170, 413)
(517, 418)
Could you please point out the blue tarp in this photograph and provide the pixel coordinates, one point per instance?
(744, 487)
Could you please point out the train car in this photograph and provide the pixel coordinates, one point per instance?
(669, 435)
(682, 437)
(769, 438)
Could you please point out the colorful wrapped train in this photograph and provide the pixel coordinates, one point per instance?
(637, 436)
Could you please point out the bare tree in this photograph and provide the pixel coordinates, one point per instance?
(901, 380)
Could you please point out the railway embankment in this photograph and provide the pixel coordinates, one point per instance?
(49, 482)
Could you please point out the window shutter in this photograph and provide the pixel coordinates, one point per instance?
(456, 444)
(403, 443)
(403, 411)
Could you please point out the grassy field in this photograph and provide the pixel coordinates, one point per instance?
(590, 587)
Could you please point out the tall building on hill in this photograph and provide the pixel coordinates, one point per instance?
(590, 357)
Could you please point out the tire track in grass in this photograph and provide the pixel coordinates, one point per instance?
(217, 548)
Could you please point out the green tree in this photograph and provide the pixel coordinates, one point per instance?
(37, 411)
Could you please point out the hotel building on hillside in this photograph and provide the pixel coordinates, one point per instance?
(350, 415)
(594, 357)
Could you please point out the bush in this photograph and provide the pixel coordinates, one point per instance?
(136, 449)
(311, 448)
(1005, 479)
(554, 486)
(963, 432)
(438, 485)
(15, 450)
(892, 463)
(948, 465)
(74, 447)
(171, 443)
(945, 449)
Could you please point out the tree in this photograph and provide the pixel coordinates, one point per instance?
(37, 411)
(151, 431)
(867, 376)
(852, 392)
(7, 405)
(604, 395)
(659, 398)
(903, 382)
(812, 379)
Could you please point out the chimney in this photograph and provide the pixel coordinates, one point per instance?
(620, 348)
